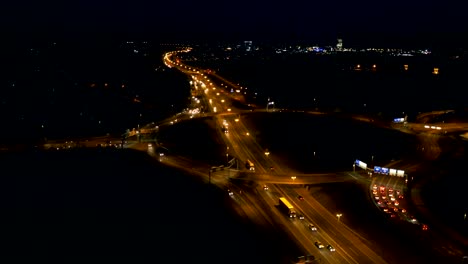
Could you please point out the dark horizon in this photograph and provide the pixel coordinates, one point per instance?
(356, 39)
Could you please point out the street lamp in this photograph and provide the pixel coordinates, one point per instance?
(267, 152)
(293, 177)
(227, 155)
(339, 216)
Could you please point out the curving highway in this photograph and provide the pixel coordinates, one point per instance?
(261, 205)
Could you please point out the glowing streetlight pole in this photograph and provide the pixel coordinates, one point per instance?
(339, 216)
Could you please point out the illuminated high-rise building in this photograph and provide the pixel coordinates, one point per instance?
(339, 45)
(248, 45)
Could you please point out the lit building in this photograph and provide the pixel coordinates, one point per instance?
(339, 45)
(248, 45)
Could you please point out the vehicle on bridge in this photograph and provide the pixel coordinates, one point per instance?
(285, 206)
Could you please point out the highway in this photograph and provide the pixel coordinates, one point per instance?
(261, 205)
(251, 199)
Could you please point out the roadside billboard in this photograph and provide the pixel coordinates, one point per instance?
(361, 164)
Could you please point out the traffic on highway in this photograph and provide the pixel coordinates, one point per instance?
(319, 233)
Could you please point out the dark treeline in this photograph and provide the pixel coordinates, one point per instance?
(58, 87)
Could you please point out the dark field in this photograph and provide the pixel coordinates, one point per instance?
(332, 83)
(197, 139)
(336, 141)
(120, 206)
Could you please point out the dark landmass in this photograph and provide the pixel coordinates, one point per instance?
(328, 143)
(334, 82)
(196, 139)
(84, 88)
(107, 205)
(121, 206)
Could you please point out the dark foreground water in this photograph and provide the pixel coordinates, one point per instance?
(120, 206)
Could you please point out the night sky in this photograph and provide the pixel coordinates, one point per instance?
(240, 19)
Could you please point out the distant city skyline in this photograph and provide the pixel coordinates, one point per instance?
(394, 23)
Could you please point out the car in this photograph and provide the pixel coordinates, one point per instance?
(300, 197)
(300, 216)
(230, 192)
(265, 187)
(319, 245)
(424, 227)
(330, 248)
(312, 227)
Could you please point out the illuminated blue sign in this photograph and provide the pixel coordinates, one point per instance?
(377, 169)
(384, 171)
